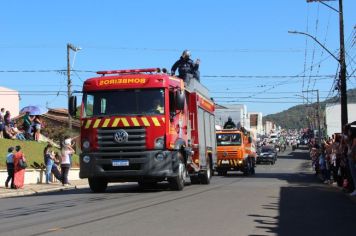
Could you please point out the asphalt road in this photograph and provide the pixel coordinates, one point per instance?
(285, 199)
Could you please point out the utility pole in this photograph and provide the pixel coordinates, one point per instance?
(69, 81)
(341, 59)
(317, 113)
(343, 86)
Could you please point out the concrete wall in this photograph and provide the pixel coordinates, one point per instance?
(10, 100)
(333, 117)
(33, 176)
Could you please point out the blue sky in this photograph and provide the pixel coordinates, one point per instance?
(232, 38)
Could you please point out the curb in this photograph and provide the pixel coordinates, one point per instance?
(30, 191)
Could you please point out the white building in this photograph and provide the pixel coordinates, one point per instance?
(333, 117)
(237, 112)
(10, 100)
(256, 121)
(268, 127)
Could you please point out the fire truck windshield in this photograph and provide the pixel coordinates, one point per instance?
(228, 139)
(124, 102)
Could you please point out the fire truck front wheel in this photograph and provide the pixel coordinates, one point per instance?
(177, 182)
(98, 185)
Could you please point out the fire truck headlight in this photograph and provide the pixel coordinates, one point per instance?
(159, 143)
(86, 159)
(86, 144)
(160, 156)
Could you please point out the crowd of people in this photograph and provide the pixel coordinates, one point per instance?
(334, 161)
(29, 130)
(16, 164)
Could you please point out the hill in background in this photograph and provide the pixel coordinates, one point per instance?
(301, 116)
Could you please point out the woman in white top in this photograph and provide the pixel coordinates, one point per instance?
(66, 153)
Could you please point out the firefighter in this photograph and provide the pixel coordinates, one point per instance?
(229, 124)
(158, 108)
(187, 69)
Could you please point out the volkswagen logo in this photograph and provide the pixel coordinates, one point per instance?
(225, 154)
(121, 136)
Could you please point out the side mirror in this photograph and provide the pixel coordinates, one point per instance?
(72, 106)
(180, 100)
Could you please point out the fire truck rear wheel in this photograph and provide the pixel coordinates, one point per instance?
(177, 183)
(98, 185)
(206, 175)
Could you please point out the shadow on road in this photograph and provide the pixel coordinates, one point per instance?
(306, 207)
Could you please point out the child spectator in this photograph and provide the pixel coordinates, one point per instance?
(10, 167)
(55, 170)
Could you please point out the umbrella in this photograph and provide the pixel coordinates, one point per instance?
(34, 110)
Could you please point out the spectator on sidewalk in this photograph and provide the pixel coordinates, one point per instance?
(322, 164)
(351, 154)
(8, 133)
(48, 155)
(66, 152)
(55, 171)
(335, 159)
(19, 172)
(10, 167)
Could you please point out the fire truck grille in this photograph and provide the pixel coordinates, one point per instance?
(226, 154)
(136, 140)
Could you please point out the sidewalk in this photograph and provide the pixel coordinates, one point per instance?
(33, 189)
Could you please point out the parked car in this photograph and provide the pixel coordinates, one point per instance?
(267, 154)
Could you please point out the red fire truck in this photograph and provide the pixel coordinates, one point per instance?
(145, 126)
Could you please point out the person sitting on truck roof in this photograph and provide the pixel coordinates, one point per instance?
(229, 124)
(187, 69)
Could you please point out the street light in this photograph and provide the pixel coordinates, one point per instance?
(341, 60)
(316, 40)
(69, 81)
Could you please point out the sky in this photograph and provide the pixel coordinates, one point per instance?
(247, 55)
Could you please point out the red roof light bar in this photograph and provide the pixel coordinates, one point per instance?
(108, 72)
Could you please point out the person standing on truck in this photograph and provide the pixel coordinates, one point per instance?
(187, 69)
(229, 124)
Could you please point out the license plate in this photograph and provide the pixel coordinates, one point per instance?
(120, 163)
(225, 162)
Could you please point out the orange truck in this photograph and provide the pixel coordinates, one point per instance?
(235, 151)
(145, 126)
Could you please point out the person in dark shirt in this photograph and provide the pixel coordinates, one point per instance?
(229, 124)
(187, 69)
